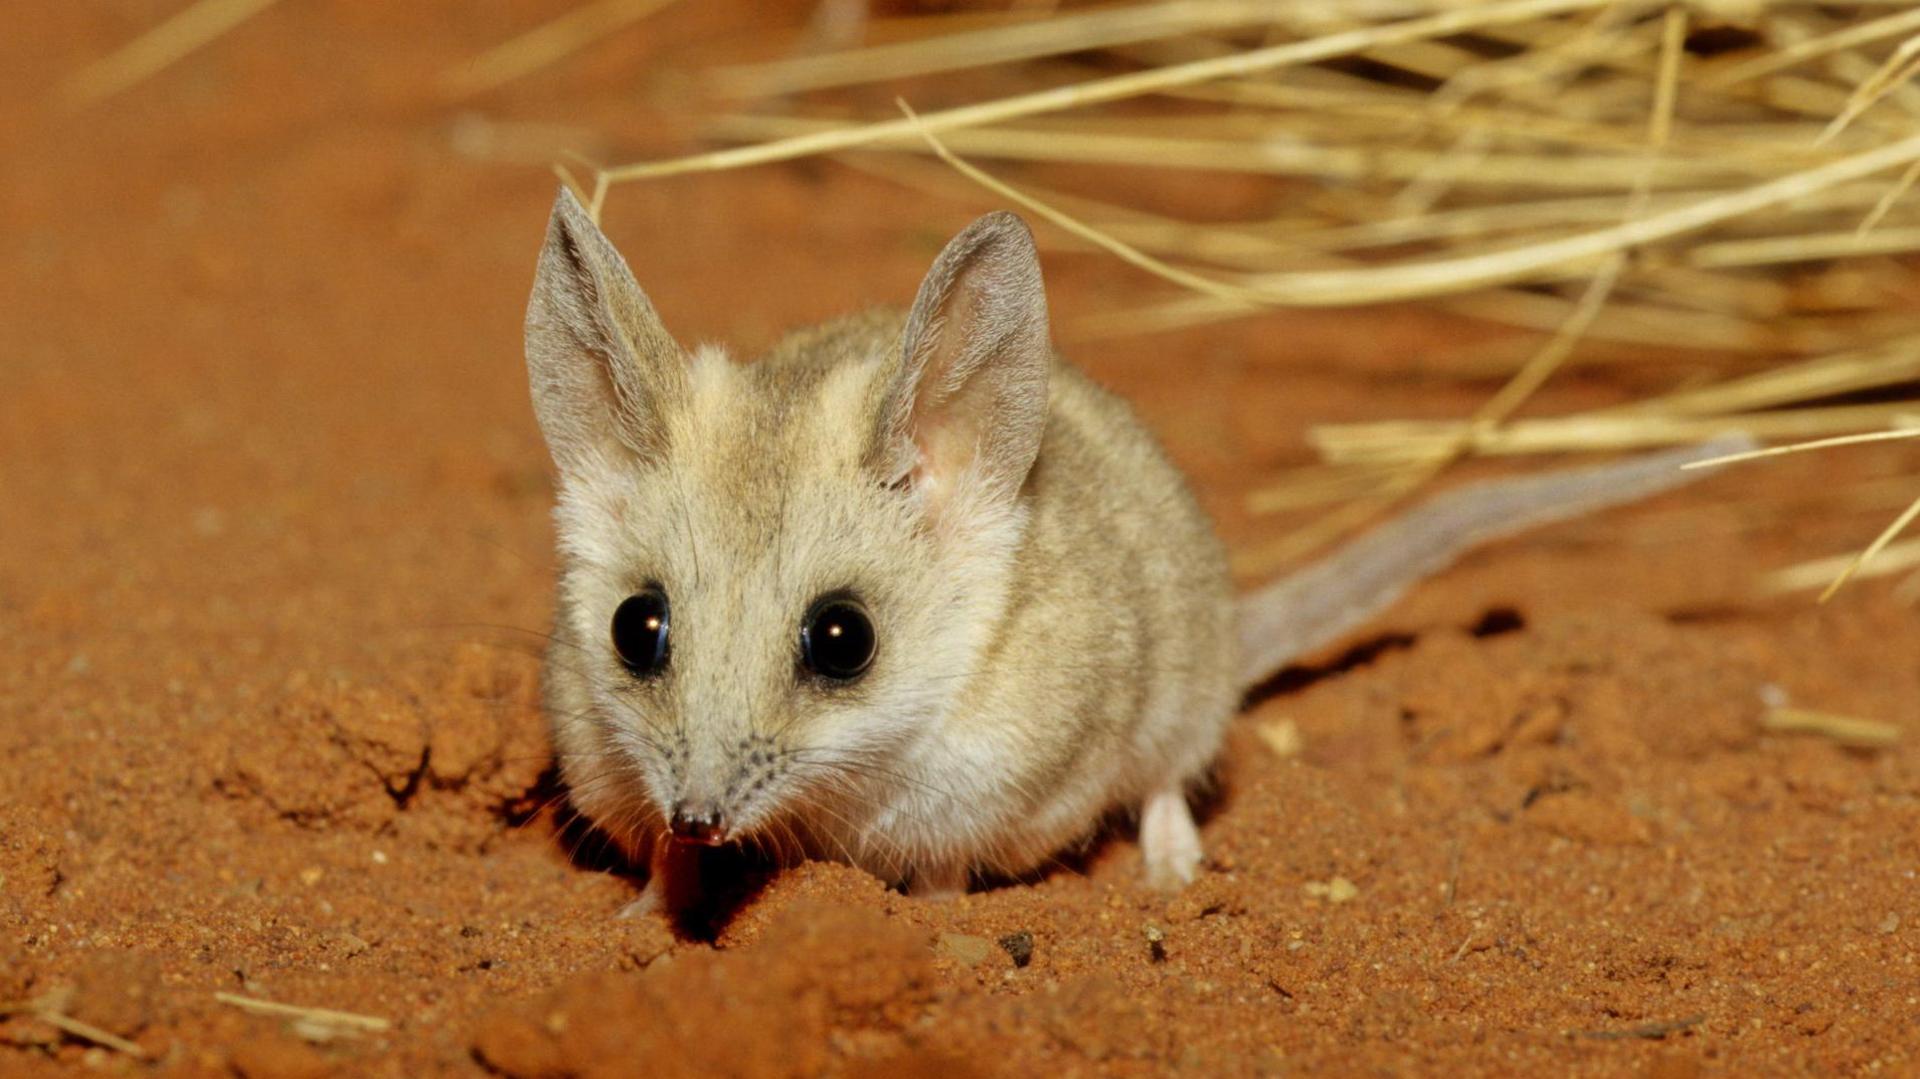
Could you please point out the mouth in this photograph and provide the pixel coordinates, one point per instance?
(712, 840)
(697, 828)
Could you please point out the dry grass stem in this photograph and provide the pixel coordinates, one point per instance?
(1887, 201)
(1802, 447)
(1387, 442)
(1343, 520)
(1842, 730)
(326, 1016)
(1518, 214)
(1880, 543)
(1028, 40)
(1851, 37)
(1821, 572)
(50, 1008)
(156, 49)
(1852, 371)
(1251, 151)
(546, 44)
(1632, 323)
(1424, 279)
(1124, 251)
(1154, 233)
(1888, 79)
(88, 1032)
(1115, 88)
(1314, 485)
(1807, 247)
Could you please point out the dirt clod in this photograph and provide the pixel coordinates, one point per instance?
(281, 1056)
(1019, 947)
(816, 969)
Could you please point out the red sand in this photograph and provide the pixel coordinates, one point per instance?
(276, 554)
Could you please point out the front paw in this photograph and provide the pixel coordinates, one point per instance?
(652, 901)
(1169, 842)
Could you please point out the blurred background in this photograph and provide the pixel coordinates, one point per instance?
(1621, 224)
(274, 553)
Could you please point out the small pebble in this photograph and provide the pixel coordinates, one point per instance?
(1282, 736)
(314, 1031)
(1337, 890)
(1019, 946)
(1156, 943)
(962, 948)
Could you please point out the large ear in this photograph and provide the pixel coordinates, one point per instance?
(971, 393)
(601, 366)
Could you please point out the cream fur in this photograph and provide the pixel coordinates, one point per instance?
(1053, 611)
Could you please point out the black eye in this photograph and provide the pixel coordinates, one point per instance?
(836, 639)
(640, 632)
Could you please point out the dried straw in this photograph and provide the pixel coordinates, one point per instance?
(1027, 40)
(545, 45)
(151, 52)
(1880, 543)
(1800, 447)
(1844, 730)
(51, 1008)
(1850, 37)
(323, 1016)
(1116, 88)
(1882, 83)
(1391, 441)
(1822, 572)
(1843, 569)
(1571, 168)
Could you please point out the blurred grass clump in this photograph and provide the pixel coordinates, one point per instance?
(1723, 178)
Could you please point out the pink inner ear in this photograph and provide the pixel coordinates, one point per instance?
(976, 363)
(942, 454)
(953, 404)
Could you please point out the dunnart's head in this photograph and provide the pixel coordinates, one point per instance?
(776, 575)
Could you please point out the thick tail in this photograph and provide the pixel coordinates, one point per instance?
(1320, 602)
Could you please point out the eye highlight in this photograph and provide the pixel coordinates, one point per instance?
(836, 639)
(640, 628)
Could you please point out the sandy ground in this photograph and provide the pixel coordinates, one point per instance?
(276, 556)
